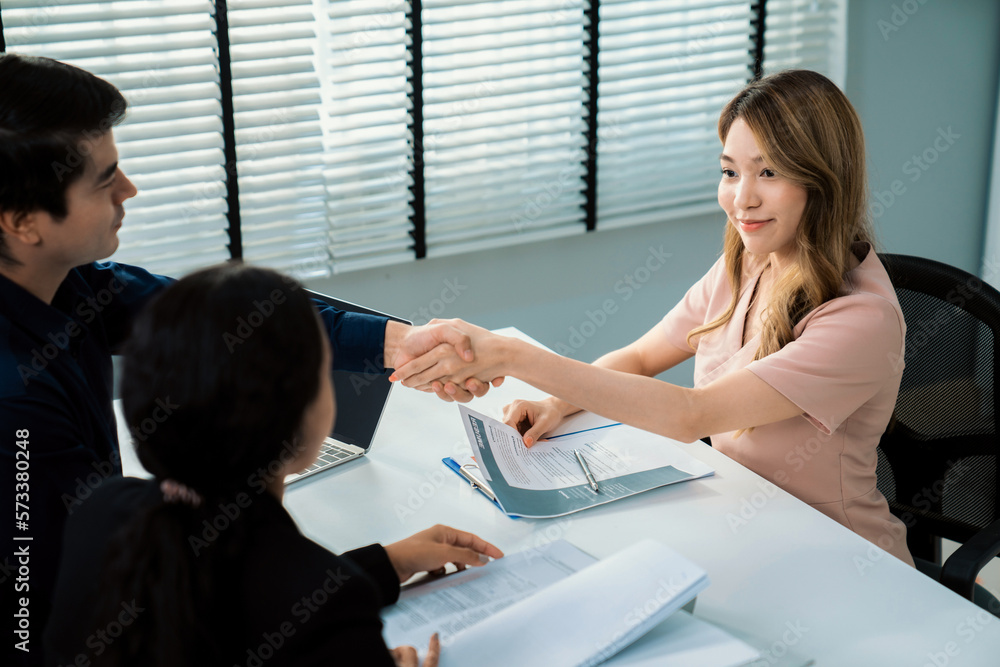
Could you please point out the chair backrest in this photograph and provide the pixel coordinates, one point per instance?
(938, 457)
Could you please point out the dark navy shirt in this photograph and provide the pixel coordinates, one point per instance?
(56, 384)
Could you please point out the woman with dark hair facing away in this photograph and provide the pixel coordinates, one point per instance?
(796, 331)
(202, 564)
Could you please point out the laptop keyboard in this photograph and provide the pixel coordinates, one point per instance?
(331, 453)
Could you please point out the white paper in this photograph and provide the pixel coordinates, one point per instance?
(610, 452)
(555, 605)
(450, 604)
(684, 640)
(587, 617)
(577, 422)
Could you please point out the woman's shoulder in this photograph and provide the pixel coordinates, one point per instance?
(870, 277)
(867, 300)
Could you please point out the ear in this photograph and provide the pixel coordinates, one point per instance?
(22, 227)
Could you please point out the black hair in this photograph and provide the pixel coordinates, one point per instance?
(46, 109)
(227, 359)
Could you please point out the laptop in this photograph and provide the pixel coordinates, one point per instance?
(361, 399)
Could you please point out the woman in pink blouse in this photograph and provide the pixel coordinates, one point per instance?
(796, 331)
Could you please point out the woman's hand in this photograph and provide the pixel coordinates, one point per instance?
(533, 419)
(451, 349)
(441, 365)
(406, 656)
(430, 550)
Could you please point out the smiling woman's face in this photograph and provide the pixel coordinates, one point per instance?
(766, 209)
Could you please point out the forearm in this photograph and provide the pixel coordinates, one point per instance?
(624, 360)
(356, 338)
(612, 387)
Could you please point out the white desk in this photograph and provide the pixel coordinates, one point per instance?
(790, 576)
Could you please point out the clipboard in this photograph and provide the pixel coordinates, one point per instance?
(545, 482)
(463, 472)
(577, 425)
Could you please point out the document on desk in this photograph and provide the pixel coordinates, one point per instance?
(454, 603)
(547, 480)
(557, 605)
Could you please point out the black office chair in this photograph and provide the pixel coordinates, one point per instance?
(938, 459)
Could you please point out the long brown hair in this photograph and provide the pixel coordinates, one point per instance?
(809, 133)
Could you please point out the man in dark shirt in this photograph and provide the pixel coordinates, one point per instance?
(63, 314)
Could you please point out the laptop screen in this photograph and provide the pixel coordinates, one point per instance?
(361, 395)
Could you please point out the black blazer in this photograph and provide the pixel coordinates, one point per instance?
(298, 603)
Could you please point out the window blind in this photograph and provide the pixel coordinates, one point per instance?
(279, 139)
(161, 55)
(666, 69)
(806, 34)
(504, 122)
(323, 108)
(368, 159)
(320, 103)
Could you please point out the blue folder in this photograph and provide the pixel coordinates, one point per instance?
(456, 467)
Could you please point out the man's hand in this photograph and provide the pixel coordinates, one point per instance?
(403, 342)
(442, 344)
(430, 550)
(440, 365)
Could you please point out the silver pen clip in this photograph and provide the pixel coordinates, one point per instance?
(476, 484)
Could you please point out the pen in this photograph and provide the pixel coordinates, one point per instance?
(586, 470)
(471, 479)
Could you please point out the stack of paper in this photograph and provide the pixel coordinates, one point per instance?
(555, 605)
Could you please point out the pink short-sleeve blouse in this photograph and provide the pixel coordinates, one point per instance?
(843, 369)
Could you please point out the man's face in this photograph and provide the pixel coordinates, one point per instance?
(94, 204)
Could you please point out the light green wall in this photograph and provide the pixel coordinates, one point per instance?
(912, 77)
(939, 70)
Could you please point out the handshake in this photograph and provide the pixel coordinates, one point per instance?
(459, 361)
(452, 358)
